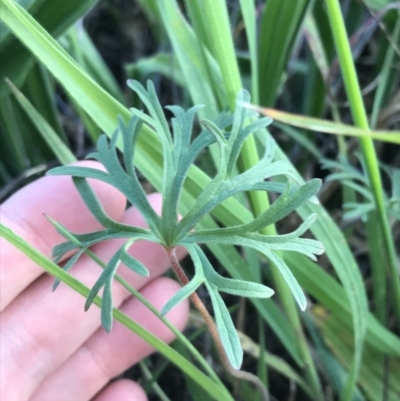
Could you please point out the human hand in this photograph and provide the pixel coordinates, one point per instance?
(50, 349)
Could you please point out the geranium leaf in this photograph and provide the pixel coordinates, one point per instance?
(291, 281)
(182, 294)
(232, 286)
(226, 328)
(84, 172)
(94, 205)
(107, 306)
(67, 267)
(133, 264)
(237, 145)
(130, 135)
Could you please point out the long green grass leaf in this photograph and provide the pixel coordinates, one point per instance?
(369, 156)
(59, 148)
(280, 22)
(56, 17)
(329, 127)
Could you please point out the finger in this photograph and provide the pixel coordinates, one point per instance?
(122, 390)
(24, 214)
(42, 329)
(104, 355)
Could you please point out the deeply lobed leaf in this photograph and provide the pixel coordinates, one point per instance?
(179, 152)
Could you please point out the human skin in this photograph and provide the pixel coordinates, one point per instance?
(50, 349)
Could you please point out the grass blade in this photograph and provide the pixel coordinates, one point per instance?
(60, 149)
(328, 127)
(360, 118)
(280, 23)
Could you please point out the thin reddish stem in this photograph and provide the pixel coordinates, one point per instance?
(212, 327)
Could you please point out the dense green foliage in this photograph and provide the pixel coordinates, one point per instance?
(221, 178)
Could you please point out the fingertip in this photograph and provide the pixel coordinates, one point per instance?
(122, 390)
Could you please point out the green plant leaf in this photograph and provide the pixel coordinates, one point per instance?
(182, 125)
(248, 9)
(182, 294)
(285, 204)
(215, 131)
(290, 280)
(240, 288)
(83, 172)
(130, 136)
(82, 49)
(55, 18)
(329, 127)
(226, 328)
(242, 136)
(106, 278)
(59, 148)
(67, 267)
(150, 99)
(94, 205)
(107, 275)
(279, 28)
(164, 64)
(129, 185)
(133, 264)
(333, 370)
(88, 240)
(231, 286)
(197, 65)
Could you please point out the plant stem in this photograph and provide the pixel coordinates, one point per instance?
(154, 385)
(367, 146)
(375, 241)
(385, 74)
(212, 327)
(360, 119)
(378, 265)
(215, 12)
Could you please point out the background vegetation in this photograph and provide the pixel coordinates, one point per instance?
(70, 61)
